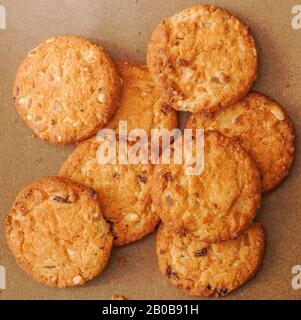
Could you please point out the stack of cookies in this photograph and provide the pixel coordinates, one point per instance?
(203, 61)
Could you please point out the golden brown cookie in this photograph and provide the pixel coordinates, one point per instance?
(210, 270)
(217, 204)
(263, 129)
(66, 89)
(124, 190)
(139, 103)
(57, 234)
(202, 58)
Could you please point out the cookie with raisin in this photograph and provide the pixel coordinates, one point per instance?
(57, 233)
(206, 270)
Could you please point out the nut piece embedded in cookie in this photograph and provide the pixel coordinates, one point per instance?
(209, 270)
(57, 234)
(202, 59)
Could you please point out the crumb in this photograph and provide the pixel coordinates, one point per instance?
(118, 298)
(122, 261)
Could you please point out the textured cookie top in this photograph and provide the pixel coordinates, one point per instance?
(66, 89)
(139, 103)
(202, 58)
(263, 129)
(57, 234)
(124, 190)
(210, 270)
(216, 205)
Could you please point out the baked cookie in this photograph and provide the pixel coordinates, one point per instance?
(57, 234)
(202, 58)
(215, 205)
(139, 103)
(263, 129)
(124, 190)
(66, 89)
(210, 270)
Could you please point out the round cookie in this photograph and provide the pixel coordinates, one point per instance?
(263, 129)
(66, 89)
(218, 203)
(57, 234)
(124, 190)
(210, 270)
(202, 59)
(139, 103)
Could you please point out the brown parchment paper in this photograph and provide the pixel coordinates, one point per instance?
(123, 27)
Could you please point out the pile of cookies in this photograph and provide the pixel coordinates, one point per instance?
(202, 60)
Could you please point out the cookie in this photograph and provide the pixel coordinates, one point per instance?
(263, 129)
(57, 234)
(202, 59)
(124, 190)
(210, 270)
(215, 205)
(66, 89)
(139, 104)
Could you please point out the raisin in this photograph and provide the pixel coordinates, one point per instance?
(92, 192)
(61, 199)
(111, 225)
(169, 63)
(168, 176)
(169, 273)
(201, 253)
(182, 232)
(165, 108)
(183, 62)
(116, 176)
(221, 292)
(143, 179)
(208, 115)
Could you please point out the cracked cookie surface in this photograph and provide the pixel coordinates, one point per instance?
(124, 190)
(209, 270)
(262, 127)
(57, 234)
(66, 89)
(139, 103)
(215, 205)
(202, 58)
